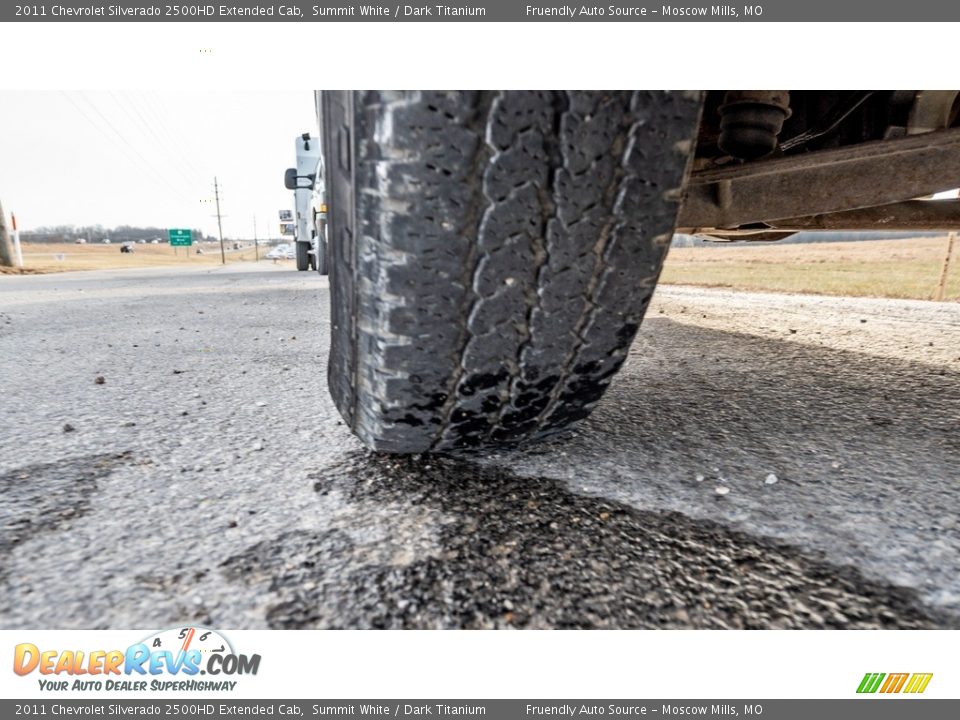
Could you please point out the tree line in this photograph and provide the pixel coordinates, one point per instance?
(98, 233)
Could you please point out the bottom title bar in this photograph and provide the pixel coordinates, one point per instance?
(497, 709)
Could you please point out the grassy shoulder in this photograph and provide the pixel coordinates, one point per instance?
(907, 268)
(47, 258)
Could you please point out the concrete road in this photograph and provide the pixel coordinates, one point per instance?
(762, 461)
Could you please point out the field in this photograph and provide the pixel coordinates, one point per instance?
(872, 268)
(44, 258)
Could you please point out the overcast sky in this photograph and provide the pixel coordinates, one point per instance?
(149, 158)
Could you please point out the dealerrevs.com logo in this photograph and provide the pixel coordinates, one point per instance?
(169, 660)
(890, 683)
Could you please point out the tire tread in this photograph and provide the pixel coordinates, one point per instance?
(505, 248)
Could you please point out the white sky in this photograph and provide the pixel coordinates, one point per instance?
(149, 157)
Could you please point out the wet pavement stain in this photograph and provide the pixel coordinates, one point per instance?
(439, 542)
(47, 497)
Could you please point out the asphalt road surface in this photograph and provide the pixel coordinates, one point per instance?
(762, 461)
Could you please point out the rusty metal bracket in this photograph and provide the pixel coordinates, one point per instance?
(882, 172)
(911, 215)
(919, 215)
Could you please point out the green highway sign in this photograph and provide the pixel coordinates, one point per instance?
(179, 238)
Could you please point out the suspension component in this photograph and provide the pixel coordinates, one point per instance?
(751, 120)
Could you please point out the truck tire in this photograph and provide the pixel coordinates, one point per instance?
(303, 256)
(323, 263)
(492, 254)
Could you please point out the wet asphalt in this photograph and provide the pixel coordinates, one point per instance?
(727, 480)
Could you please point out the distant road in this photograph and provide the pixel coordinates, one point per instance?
(762, 461)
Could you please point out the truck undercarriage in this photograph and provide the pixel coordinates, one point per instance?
(769, 163)
(493, 253)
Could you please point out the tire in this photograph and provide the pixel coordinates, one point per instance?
(492, 254)
(323, 266)
(303, 256)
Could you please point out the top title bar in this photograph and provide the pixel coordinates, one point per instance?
(485, 11)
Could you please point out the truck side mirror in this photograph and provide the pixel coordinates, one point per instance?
(292, 181)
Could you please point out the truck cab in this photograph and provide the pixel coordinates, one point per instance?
(306, 181)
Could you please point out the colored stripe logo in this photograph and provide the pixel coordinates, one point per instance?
(912, 683)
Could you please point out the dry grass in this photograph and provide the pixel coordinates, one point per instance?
(872, 268)
(45, 258)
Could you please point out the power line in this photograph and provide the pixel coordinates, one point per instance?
(156, 127)
(157, 112)
(123, 139)
(99, 129)
(126, 106)
(145, 162)
(132, 158)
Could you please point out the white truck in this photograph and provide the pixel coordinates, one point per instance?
(306, 181)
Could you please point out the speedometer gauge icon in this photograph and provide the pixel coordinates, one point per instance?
(183, 639)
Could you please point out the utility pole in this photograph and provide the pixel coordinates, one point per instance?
(256, 248)
(216, 195)
(6, 251)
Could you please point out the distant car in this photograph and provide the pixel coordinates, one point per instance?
(127, 247)
(106, 241)
(80, 241)
(237, 246)
(141, 242)
(278, 253)
(154, 242)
